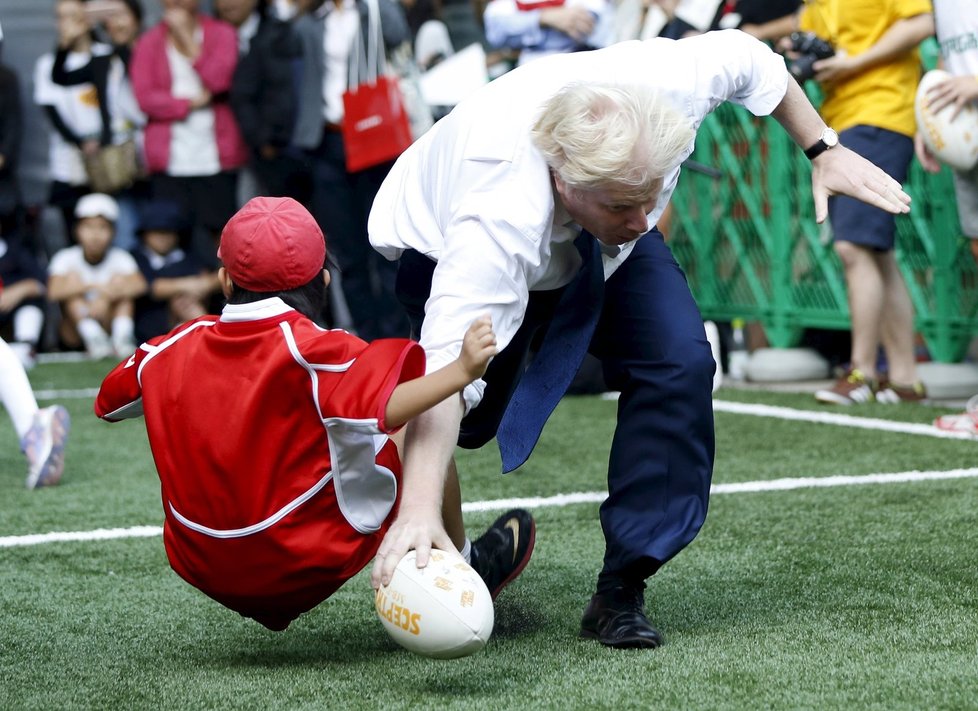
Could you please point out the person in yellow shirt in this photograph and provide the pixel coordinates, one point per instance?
(869, 87)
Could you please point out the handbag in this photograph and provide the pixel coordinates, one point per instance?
(376, 127)
(113, 168)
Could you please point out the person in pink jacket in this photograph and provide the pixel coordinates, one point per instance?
(181, 74)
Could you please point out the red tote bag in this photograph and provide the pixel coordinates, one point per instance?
(375, 124)
(376, 127)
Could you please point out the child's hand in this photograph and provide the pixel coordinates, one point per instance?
(478, 347)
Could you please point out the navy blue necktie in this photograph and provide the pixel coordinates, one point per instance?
(558, 360)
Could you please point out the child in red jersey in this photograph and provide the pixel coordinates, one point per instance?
(271, 435)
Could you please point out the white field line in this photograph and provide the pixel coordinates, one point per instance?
(785, 413)
(746, 487)
(737, 408)
(82, 394)
(835, 418)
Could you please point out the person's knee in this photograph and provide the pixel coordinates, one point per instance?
(686, 368)
(698, 366)
(848, 252)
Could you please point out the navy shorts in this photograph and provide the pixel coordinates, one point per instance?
(855, 221)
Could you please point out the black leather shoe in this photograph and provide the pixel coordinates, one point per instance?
(617, 619)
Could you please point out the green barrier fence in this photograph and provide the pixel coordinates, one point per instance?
(751, 249)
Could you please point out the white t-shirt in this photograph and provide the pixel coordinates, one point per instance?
(475, 194)
(77, 106)
(117, 262)
(193, 142)
(957, 33)
(127, 118)
(339, 34)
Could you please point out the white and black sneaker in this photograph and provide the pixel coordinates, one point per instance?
(501, 553)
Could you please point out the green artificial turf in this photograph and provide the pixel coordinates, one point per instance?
(857, 597)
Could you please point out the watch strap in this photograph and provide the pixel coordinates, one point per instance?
(816, 149)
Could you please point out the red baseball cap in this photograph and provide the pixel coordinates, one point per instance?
(272, 244)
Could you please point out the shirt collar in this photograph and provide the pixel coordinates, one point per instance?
(266, 308)
(248, 29)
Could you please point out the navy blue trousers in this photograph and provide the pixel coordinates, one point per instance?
(652, 346)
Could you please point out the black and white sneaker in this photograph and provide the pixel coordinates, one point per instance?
(502, 552)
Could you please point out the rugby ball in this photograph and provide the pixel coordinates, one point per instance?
(952, 142)
(443, 610)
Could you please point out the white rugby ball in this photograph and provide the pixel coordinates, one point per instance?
(952, 142)
(443, 610)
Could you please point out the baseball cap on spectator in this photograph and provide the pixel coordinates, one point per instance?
(163, 215)
(97, 205)
(272, 244)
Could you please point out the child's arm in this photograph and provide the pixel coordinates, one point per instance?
(124, 286)
(415, 396)
(62, 287)
(197, 286)
(121, 396)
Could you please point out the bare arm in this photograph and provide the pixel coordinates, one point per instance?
(428, 449)
(575, 22)
(927, 159)
(123, 286)
(197, 286)
(837, 171)
(65, 286)
(11, 296)
(773, 30)
(958, 90)
(412, 398)
(429, 445)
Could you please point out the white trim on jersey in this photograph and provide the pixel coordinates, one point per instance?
(365, 490)
(257, 527)
(154, 351)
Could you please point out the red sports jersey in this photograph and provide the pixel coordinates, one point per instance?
(268, 434)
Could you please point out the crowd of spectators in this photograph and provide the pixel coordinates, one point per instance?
(231, 99)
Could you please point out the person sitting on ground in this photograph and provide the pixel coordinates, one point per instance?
(95, 283)
(22, 299)
(42, 433)
(278, 460)
(178, 284)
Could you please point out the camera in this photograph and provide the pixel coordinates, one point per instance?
(810, 48)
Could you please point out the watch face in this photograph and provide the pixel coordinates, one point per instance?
(830, 137)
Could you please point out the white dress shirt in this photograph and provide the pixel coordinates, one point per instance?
(475, 195)
(193, 141)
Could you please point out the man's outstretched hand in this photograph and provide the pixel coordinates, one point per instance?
(840, 171)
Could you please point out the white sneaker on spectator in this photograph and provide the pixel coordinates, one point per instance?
(99, 346)
(123, 347)
(44, 446)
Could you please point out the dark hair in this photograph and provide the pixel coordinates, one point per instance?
(308, 299)
(136, 8)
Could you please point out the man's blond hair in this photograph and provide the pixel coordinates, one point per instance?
(595, 135)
